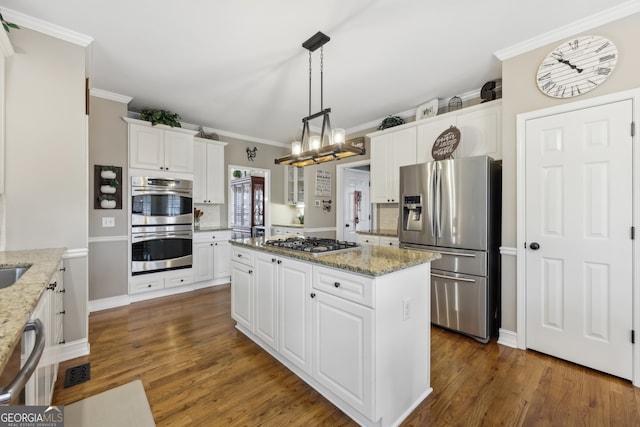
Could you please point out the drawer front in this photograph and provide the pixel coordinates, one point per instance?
(390, 241)
(178, 280)
(368, 240)
(345, 285)
(241, 255)
(211, 236)
(146, 285)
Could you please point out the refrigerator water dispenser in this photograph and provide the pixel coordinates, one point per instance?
(412, 213)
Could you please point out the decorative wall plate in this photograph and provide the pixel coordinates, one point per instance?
(428, 109)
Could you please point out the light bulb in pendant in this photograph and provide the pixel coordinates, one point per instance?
(296, 148)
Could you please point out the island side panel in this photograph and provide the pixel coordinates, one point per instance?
(403, 341)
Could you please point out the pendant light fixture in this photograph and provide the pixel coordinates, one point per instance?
(330, 144)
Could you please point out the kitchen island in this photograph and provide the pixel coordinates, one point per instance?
(353, 324)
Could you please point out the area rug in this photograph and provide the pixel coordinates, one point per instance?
(126, 405)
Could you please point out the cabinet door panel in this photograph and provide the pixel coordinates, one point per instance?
(221, 259)
(178, 152)
(203, 261)
(480, 133)
(343, 350)
(267, 299)
(199, 172)
(295, 317)
(146, 147)
(215, 173)
(427, 134)
(241, 294)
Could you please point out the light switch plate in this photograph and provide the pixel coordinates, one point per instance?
(108, 221)
(316, 203)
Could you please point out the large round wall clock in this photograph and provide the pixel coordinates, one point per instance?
(577, 66)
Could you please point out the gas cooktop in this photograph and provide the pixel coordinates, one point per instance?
(313, 245)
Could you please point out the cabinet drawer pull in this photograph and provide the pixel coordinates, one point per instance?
(336, 284)
(250, 271)
(239, 255)
(313, 295)
(273, 260)
(279, 261)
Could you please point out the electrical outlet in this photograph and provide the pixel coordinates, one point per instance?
(108, 221)
(406, 308)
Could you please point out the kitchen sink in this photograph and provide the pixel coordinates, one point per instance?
(9, 276)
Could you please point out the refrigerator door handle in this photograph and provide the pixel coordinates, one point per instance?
(430, 201)
(438, 201)
(459, 279)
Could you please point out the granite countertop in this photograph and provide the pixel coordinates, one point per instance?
(288, 225)
(209, 229)
(381, 233)
(366, 260)
(19, 300)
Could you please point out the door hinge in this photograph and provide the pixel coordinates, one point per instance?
(633, 336)
(633, 128)
(633, 233)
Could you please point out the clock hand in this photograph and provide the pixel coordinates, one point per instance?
(564, 61)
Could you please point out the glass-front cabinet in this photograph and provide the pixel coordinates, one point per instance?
(294, 185)
(248, 207)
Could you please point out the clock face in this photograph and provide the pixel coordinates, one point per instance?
(577, 66)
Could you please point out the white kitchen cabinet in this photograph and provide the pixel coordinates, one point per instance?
(208, 171)
(289, 231)
(266, 298)
(294, 287)
(343, 350)
(222, 258)
(50, 311)
(294, 185)
(162, 280)
(389, 151)
(427, 134)
(242, 295)
(481, 131)
(160, 147)
(362, 341)
(211, 255)
(389, 241)
(367, 239)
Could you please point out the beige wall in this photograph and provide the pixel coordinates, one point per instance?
(520, 95)
(108, 145)
(46, 159)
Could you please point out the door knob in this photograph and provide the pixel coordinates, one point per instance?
(534, 246)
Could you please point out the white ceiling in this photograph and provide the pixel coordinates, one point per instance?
(239, 66)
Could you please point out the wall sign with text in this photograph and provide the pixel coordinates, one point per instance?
(446, 143)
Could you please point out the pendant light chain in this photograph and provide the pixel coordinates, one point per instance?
(309, 82)
(321, 78)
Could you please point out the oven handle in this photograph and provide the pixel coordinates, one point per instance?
(7, 394)
(156, 236)
(160, 192)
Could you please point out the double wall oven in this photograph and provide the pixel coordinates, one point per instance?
(161, 224)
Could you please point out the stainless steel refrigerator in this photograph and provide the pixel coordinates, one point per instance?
(453, 207)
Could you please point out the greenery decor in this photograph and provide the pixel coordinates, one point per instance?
(8, 25)
(160, 117)
(237, 173)
(390, 122)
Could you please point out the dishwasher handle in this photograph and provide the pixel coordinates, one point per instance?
(8, 393)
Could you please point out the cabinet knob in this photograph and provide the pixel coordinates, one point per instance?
(161, 167)
(279, 261)
(62, 291)
(313, 295)
(250, 271)
(210, 244)
(336, 284)
(62, 312)
(273, 260)
(215, 244)
(149, 285)
(63, 269)
(239, 255)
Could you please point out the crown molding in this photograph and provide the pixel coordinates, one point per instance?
(99, 93)
(220, 132)
(585, 24)
(47, 28)
(411, 114)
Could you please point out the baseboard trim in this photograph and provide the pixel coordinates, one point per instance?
(508, 338)
(74, 349)
(123, 300)
(107, 303)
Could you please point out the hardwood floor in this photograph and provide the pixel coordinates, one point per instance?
(198, 370)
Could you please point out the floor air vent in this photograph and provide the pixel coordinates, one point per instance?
(77, 374)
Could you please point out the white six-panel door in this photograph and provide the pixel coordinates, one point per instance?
(579, 217)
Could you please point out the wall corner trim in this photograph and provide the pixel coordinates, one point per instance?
(47, 28)
(99, 93)
(508, 338)
(506, 250)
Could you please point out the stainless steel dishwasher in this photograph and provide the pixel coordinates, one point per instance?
(15, 377)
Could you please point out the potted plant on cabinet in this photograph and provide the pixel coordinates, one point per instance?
(107, 201)
(160, 117)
